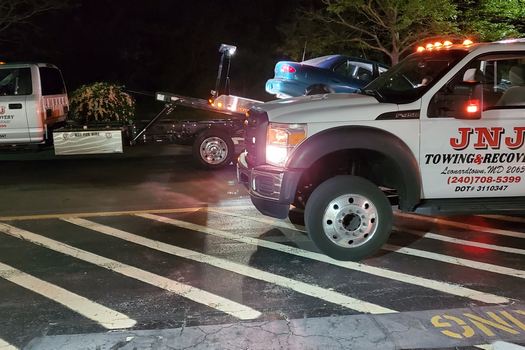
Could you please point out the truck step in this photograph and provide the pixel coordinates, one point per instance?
(464, 206)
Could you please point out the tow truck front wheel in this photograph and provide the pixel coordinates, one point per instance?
(213, 149)
(348, 217)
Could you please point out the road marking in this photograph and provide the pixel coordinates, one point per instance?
(106, 317)
(462, 225)
(520, 220)
(398, 276)
(298, 286)
(115, 213)
(456, 261)
(429, 235)
(200, 296)
(273, 222)
(444, 238)
(6, 346)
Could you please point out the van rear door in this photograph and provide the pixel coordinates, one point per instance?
(15, 87)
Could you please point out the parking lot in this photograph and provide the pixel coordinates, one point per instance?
(144, 251)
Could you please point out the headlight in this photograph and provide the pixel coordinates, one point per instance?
(281, 139)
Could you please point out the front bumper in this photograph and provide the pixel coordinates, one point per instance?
(272, 189)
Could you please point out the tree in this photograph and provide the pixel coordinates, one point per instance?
(17, 12)
(390, 27)
(393, 27)
(491, 20)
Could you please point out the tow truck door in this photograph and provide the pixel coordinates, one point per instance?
(472, 141)
(15, 87)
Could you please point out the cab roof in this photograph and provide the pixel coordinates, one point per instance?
(25, 64)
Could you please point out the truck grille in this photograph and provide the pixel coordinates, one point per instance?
(255, 139)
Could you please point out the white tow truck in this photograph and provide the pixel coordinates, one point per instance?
(442, 132)
(34, 109)
(33, 101)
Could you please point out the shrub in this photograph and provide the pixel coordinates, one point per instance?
(101, 102)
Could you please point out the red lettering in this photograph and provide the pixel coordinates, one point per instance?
(463, 141)
(488, 138)
(517, 142)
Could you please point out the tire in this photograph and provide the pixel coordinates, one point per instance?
(348, 218)
(213, 149)
(318, 89)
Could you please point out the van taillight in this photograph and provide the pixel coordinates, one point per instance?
(286, 68)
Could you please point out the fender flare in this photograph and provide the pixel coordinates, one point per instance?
(367, 138)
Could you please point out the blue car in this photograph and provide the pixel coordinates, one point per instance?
(333, 73)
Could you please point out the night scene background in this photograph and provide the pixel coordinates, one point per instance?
(156, 45)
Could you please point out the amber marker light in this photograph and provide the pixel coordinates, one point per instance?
(420, 49)
(447, 43)
(467, 42)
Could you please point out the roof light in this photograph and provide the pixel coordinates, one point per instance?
(467, 42)
(229, 50)
(429, 46)
(420, 49)
(437, 44)
(447, 43)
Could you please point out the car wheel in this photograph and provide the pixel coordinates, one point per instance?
(213, 149)
(348, 217)
(318, 89)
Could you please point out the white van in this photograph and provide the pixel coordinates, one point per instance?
(33, 101)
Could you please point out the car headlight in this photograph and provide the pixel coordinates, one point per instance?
(281, 139)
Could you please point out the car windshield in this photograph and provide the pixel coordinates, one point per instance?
(411, 78)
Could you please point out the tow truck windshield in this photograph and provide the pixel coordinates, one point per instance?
(411, 78)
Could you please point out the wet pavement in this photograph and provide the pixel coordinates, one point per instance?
(142, 250)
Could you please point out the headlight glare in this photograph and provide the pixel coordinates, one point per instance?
(281, 140)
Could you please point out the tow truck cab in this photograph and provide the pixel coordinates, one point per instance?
(33, 100)
(443, 131)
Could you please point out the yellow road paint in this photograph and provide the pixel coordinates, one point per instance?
(467, 324)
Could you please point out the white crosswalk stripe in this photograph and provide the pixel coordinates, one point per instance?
(106, 317)
(200, 296)
(520, 220)
(262, 220)
(6, 346)
(432, 235)
(298, 286)
(461, 225)
(456, 261)
(415, 280)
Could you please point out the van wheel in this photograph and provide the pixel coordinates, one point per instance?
(213, 149)
(348, 218)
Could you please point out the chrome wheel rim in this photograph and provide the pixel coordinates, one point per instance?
(213, 150)
(350, 220)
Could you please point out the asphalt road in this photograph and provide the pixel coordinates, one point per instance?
(143, 251)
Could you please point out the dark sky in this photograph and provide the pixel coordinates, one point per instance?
(154, 45)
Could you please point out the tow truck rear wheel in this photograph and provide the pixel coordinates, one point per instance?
(213, 149)
(348, 217)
